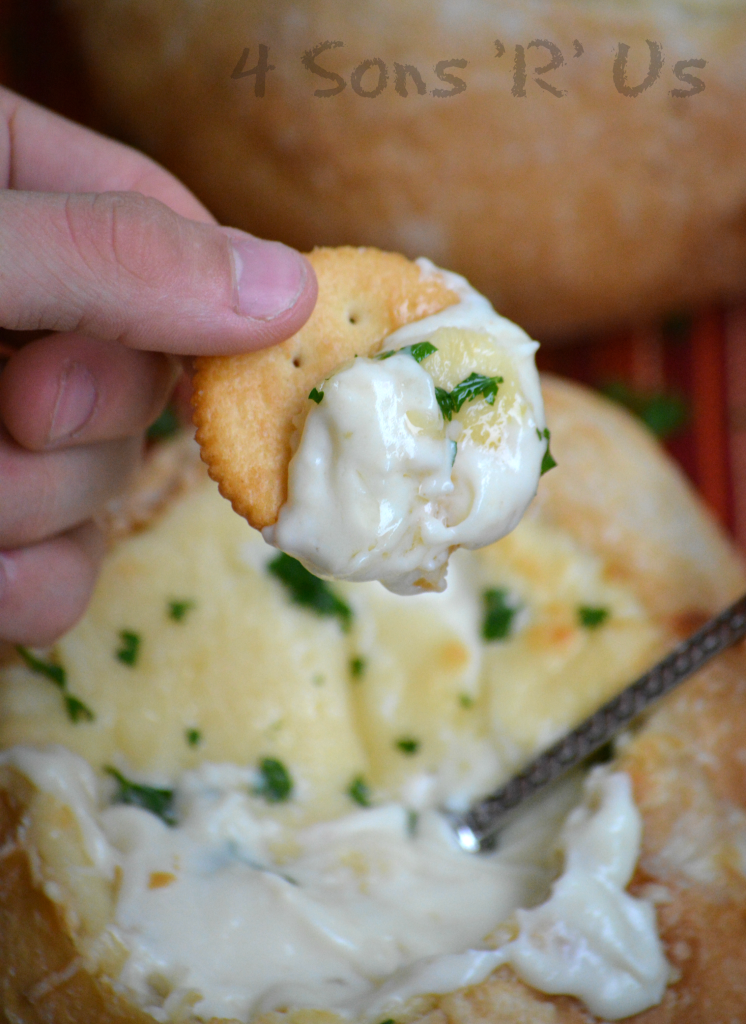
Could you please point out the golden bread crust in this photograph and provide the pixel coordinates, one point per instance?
(42, 978)
(246, 406)
(170, 469)
(686, 763)
(619, 495)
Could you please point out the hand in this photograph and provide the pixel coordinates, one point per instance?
(106, 249)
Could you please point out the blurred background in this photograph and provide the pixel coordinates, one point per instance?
(596, 207)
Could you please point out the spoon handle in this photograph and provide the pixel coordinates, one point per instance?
(483, 819)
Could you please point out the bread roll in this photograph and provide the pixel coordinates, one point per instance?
(571, 212)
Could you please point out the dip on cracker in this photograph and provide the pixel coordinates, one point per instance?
(403, 421)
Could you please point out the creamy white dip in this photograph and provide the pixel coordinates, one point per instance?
(234, 911)
(384, 485)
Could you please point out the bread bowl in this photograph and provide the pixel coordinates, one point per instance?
(617, 529)
(571, 213)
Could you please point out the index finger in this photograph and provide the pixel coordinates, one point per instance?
(43, 152)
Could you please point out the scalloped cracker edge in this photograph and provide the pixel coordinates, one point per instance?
(246, 407)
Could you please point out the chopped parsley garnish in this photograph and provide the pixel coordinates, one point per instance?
(408, 745)
(548, 461)
(454, 450)
(357, 667)
(316, 396)
(389, 1021)
(129, 652)
(498, 615)
(444, 401)
(359, 791)
(418, 352)
(663, 413)
(275, 783)
(165, 426)
(177, 610)
(309, 591)
(475, 385)
(466, 700)
(76, 709)
(592, 618)
(150, 798)
(603, 755)
(193, 737)
(50, 669)
(413, 820)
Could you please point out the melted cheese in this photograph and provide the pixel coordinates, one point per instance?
(259, 676)
(383, 486)
(234, 913)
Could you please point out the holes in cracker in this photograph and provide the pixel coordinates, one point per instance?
(297, 362)
(353, 316)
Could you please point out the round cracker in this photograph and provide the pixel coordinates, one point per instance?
(246, 407)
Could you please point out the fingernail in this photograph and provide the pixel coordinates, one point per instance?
(269, 276)
(76, 400)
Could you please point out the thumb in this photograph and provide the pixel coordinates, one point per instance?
(121, 267)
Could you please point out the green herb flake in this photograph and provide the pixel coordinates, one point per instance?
(54, 672)
(309, 591)
(591, 618)
(548, 462)
(158, 801)
(389, 1021)
(129, 652)
(165, 426)
(275, 783)
(663, 413)
(475, 385)
(316, 396)
(466, 700)
(603, 755)
(454, 450)
(421, 350)
(357, 667)
(359, 791)
(443, 399)
(77, 710)
(193, 737)
(413, 820)
(178, 610)
(408, 745)
(498, 615)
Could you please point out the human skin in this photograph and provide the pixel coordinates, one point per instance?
(120, 272)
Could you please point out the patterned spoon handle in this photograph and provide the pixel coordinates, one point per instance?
(481, 822)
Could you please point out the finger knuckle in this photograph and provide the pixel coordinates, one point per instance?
(134, 236)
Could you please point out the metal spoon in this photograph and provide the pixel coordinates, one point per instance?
(477, 828)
